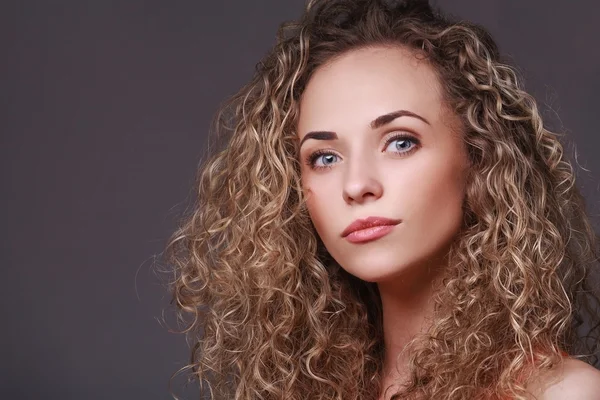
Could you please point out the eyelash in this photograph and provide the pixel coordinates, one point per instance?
(310, 160)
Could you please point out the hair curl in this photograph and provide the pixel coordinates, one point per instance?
(273, 316)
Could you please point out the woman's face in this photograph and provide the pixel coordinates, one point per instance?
(376, 141)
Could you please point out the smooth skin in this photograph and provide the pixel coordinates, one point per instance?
(377, 140)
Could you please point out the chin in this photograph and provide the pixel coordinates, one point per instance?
(390, 269)
(379, 278)
(377, 273)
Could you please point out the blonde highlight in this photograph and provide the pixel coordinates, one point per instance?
(273, 316)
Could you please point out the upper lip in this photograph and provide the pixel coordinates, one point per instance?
(368, 223)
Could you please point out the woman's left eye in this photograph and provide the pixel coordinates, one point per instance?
(401, 144)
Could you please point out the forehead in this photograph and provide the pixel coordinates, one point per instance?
(362, 84)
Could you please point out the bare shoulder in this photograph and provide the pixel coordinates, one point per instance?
(574, 380)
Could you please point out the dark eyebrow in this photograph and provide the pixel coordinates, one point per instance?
(376, 123)
(387, 118)
(319, 135)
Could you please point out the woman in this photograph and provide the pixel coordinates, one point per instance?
(386, 218)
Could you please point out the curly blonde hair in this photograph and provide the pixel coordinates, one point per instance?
(273, 316)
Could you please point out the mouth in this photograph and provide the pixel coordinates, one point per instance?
(371, 228)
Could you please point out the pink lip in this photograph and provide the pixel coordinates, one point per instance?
(371, 228)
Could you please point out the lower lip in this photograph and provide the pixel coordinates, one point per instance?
(366, 235)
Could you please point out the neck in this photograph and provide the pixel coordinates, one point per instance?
(407, 307)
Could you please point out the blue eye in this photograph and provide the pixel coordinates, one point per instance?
(402, 143)
(327, 157)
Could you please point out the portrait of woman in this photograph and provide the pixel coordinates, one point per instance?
(384, 215)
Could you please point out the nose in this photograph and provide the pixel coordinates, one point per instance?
(361, 181)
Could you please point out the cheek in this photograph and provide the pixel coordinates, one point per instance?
(439, 204)
(320, 207)
(313, 205)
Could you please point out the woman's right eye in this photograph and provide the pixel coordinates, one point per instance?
(327, 158)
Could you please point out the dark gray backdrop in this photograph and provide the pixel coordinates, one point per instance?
(105, 106)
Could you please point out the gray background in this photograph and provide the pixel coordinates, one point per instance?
(104, 111)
